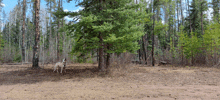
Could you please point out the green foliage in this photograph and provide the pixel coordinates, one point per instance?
(215, 7)
(89, 60)
(160, 31)
(80, 60)
(14, 34)
(30, 35)
(190, 45)
(196, 8)
(2, 44)
(182, 37)
(148, 28)
(117, 23)
(2, 41)
(172, 48)
(17, 58)
(211, 37)
(159, 28)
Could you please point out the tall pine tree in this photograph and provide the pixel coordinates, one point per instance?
(112, 26)
(216, 8)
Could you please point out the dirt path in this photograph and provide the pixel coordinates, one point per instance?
(82, 82)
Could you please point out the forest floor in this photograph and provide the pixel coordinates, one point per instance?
(84, 82)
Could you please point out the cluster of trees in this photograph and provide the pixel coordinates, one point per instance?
(18, 34)
(179, 31)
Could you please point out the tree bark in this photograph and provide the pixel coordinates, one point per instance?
(144, 49)
(50, 35)
(218, 10)
(152, 52)
(58, 44)
(37, 36)
(181, 11)
(139, 52)
(108, 58)
(101, 48)
(177, 10)
(64, 38)
(97, 57)
(23, 31)
(202, 17)
(189, 17)
(101, 54)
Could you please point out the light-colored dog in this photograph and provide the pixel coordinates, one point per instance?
(61, 65)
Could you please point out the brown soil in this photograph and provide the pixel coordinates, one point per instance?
(84, 82)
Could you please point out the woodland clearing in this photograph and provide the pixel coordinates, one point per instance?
(85, 82)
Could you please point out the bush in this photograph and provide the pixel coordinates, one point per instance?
(17, 58)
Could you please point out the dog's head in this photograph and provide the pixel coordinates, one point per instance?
(64, 60)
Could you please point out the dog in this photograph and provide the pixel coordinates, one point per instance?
(61, 65)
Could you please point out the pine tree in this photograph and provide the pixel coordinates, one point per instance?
(36, 50)
(113, 24)
(216, 7)
(196, 17)
(23, 31)
(203, 7)
(211, 40)
(2, 44)
(147, 28)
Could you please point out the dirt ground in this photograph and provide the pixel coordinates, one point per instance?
(84, 82)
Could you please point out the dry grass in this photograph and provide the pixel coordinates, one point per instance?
(131, 82)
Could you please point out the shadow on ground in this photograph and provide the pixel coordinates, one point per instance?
(26, 75)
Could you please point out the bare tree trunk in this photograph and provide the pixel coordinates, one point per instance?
(202, 18)
(43, 51)
(58, 44)
(139, 52)
(181, 11)
(97, 57)
(37, 36)
(101, 49)
(58, 51)
(177, 14)
(189, 18)
(152, 52)
(101, 54)
(218, 10)
(144, 49)
(50, 35)
(9, 31)
(23, 32)
(192, 61)
(64, 51)
(108, 58)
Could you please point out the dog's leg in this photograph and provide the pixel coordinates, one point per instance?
(64, 67)
(61, 69)
(57, 69)
(54, 68)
